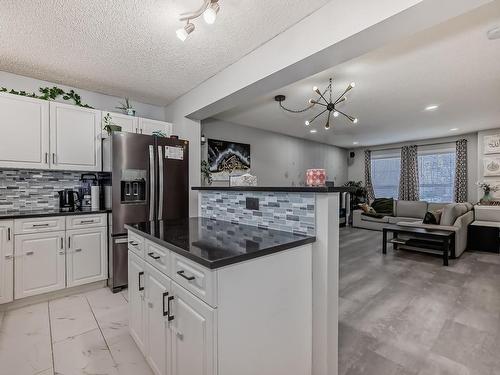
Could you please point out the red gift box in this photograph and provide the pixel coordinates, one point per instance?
(315, 177)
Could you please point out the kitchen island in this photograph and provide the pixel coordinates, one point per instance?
(211, 297)
(311, 211)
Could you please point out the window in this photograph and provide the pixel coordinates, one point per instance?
(386, 168)
(436, 169)
(436, 173)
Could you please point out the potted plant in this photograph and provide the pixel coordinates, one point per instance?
(205, 172)
(109, 126)
(127, 107)
(487, 189)
(359, 196)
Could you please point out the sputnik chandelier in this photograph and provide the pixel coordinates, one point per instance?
(209, 10)
(328, 105)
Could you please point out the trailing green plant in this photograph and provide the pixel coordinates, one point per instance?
(50, 93)
(205, 172)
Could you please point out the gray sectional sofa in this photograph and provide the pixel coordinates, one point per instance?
(455, 217)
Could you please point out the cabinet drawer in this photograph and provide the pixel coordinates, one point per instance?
(136, 244)
(157, 256)
(37, 225)
(197, 279)
(85, 221)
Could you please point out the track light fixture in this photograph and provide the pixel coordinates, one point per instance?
(329, 104)
(209, 10)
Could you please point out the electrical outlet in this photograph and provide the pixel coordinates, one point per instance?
(252, 204)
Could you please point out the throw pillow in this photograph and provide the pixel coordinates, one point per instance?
(432, 217)
(384, 206)
(366, 208)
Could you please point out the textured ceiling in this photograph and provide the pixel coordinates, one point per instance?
(452, 65)
(129, 47)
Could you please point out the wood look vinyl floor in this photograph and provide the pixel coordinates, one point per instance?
(404, 313)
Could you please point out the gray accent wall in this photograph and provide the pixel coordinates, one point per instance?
(277, 159)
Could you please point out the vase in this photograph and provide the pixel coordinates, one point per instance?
(487, 198)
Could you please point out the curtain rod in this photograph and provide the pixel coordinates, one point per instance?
(426, 144)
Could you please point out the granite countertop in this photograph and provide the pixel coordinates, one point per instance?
(45, 213)
(284, 189)
(215, 243)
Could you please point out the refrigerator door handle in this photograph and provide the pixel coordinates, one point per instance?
(160, 177)
(152, 182)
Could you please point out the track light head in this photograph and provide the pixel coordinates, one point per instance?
(184, 32)
(210, 14)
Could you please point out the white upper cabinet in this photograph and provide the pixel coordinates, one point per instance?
(147, 126)
(75, 138)
(129, 124)
(24, 141)
(6, 261)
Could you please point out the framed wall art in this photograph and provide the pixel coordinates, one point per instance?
(227, 158)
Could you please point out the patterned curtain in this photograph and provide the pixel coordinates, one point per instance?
(461, 171)
(408, 180)
(368, 176)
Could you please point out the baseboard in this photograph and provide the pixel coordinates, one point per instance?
(52, 295)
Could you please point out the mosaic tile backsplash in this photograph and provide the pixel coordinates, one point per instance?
(30, 190)
(290, 212)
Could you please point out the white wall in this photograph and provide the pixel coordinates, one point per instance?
(356, 169)
(96, 100)
(277, 159)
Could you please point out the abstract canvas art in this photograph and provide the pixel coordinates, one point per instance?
(227, 158)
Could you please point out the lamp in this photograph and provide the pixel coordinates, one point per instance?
(209, 10)
(184, 32)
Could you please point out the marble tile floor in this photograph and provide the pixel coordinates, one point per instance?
(406, 314)
(81, 334)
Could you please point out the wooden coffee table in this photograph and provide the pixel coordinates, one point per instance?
(440, 240)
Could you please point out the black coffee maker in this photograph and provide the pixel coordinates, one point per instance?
(67, 200)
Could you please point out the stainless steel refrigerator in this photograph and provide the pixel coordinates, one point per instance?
(150, 181)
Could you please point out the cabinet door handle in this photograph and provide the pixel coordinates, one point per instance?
(87, 222)
(40, 225)
(69, 242)
(155, 257)
(188, 278)
(165, 311)
(46, 158)
(8, 234)
(62, 243)
(30, 253)
(133, 243)
(170, 317)
(54, 158)
(140, 274)
(78, 250)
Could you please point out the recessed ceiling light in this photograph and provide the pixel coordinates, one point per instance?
(431, 107)
(453, 129)
(313, 131)
(355, 143)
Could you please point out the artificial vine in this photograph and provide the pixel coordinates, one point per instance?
(50, 93)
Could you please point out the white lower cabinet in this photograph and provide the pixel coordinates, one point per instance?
(174, 329)
(86, 256)
(40, 263)
(158, 291)
(193, 334)
(248, 318)
(136, 300)
(6, 261)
